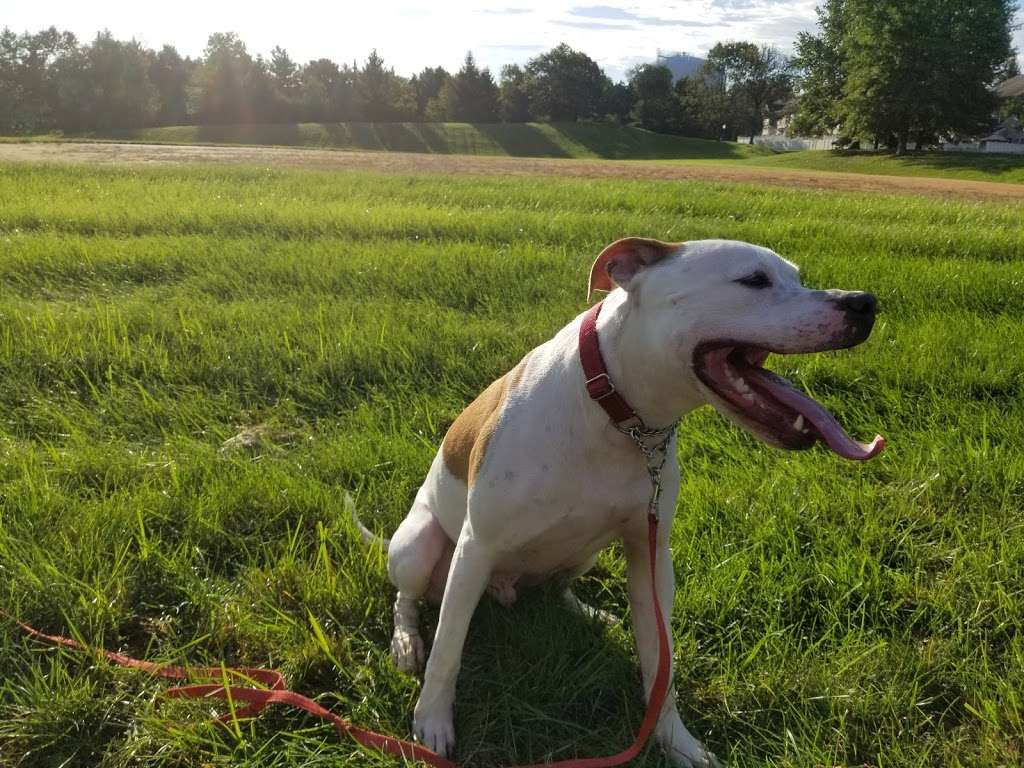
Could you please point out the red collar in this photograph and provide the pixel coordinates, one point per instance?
(599, 383)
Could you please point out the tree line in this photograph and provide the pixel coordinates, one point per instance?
(881, 71)
(889, 72)
(51, 81)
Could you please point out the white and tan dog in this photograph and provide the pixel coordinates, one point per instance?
(533, 479)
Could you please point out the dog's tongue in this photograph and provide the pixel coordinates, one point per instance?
(825, 423)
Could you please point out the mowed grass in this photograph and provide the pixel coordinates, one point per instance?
(559, 140)
(566, 140)
(1008, 169)
(827, 612)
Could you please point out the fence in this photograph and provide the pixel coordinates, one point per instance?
(784, 143)
(787, 143)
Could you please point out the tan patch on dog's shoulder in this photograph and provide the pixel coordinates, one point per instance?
(465, 444)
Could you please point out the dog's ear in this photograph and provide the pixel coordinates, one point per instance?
(619, 263)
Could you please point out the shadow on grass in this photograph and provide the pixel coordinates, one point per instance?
(988, 164)
(616, 142)
(540, 683)
(521, 140)
(284, 134)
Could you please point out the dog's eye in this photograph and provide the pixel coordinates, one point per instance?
(756, 280)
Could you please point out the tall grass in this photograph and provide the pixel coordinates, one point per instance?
(827, 613)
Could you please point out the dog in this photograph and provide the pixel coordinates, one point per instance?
(534, 479)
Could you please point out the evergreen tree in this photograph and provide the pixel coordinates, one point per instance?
(169, 74)
(471, 95)
(383, 96)
(287, 84)
(217, 92)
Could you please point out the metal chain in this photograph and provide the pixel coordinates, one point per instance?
(656, 455)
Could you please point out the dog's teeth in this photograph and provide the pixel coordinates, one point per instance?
(798, 424)
(742, 386)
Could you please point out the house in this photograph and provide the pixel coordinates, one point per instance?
(1007, 132)
(1012, 88)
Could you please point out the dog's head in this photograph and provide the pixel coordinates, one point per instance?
(719, 308)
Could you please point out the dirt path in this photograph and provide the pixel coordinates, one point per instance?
(401, 162)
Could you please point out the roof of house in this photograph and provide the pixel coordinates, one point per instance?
(1009, 130)
(1012, 88)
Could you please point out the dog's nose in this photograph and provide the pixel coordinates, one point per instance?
(859, 303)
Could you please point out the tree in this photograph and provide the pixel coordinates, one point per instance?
(757, 78)
(169, 74)
(513, 95)
(28, 83)
(617, 101)
(383, 96)
(471, 95)
(105, 85)
(564, 84)
(656, 107)
(906, 68)
(821, 63)
(328, 91)
(426, 86)
(705, 107)
(287, 84)
(218, 90)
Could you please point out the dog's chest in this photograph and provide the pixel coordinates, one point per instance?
(556, 526)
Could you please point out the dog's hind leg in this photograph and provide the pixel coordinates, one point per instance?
(418, 557)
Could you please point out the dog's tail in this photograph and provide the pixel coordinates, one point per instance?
(369, 537)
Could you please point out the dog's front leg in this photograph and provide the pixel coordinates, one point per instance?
(468, 577)
(678, 743)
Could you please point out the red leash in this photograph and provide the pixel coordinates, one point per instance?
(276, 693)
(602, 391)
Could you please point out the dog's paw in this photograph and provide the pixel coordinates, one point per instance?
(588, 611)
(680, 745)
(696, 756)
(408, 652)
(435, 731)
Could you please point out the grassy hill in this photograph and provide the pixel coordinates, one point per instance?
(569, 140)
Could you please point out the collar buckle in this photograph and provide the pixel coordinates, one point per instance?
(599, 387)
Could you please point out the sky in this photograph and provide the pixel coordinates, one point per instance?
(412, 34)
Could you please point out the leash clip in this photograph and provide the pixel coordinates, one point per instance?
(655, 455)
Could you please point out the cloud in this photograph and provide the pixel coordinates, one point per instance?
(737, 5)
(507, 11)
(619, 14)
(601, 12)
(514, 47)
(591, 25)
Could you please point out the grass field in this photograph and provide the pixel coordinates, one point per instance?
(827, 613)
(568, 140)
(1008, 169)
(563, 140)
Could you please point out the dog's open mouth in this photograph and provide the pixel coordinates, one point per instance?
(768, 405)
